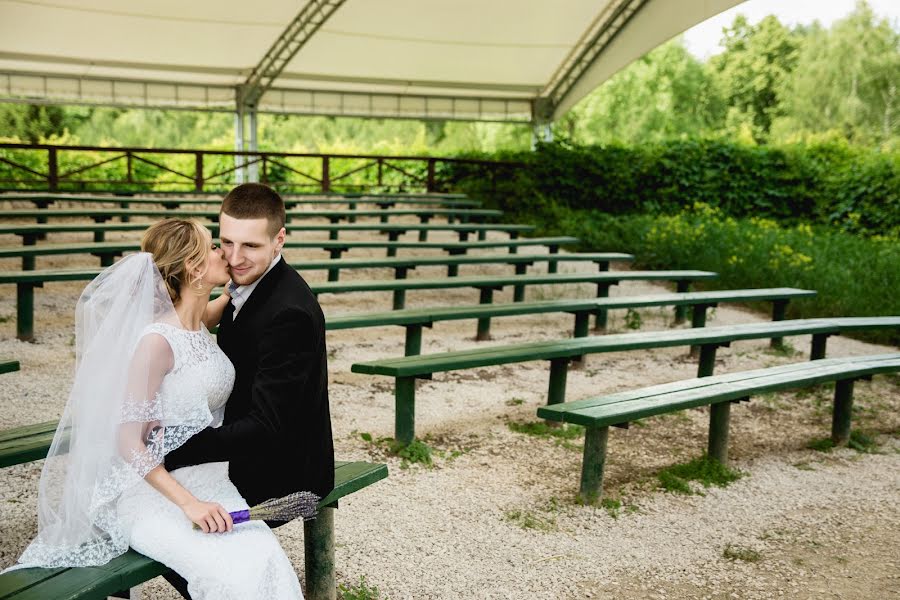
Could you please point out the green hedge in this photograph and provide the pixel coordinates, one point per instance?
(851, 188)
(854, 275)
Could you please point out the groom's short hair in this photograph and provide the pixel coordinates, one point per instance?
(255, 201)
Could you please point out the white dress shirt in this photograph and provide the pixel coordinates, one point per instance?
(240, 294)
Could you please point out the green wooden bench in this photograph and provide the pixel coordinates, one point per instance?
(600, 413)
(100, 215)
(413, 320)
(42, 200)
(31, 233)
(131, 569)
(26, 281)
(560, 353)
(8, 366)
(488, 284)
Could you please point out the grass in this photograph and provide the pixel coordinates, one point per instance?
(859, 441)
(416, 452)
(529, 520)
(359, 591)
(732, 552)
(853, 275)
(703, 470)
(562, 434)
(515, 402)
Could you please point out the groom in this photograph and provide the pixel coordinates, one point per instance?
(276, 435)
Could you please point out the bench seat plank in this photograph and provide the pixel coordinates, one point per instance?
(619, 408)
(547, 350)
(102, 213)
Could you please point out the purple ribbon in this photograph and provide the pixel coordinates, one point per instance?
(240, 516)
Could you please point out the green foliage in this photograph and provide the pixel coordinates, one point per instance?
(632, 319)
(564, 431)
(414, 452)
(833, 183)
(529, 520)
(859, 441)
(360, 591)
(703, 470)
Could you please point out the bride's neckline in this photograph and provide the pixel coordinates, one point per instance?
(181, 327)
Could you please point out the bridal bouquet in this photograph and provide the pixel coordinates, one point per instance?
(288, 508)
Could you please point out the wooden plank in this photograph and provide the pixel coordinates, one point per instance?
(493, 355)
(490, 281)
(474, 311)
(703, 393)
(214, 214)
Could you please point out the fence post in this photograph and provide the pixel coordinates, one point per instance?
(52, 170)
(326, 176)
(429, 183)
(198, 172)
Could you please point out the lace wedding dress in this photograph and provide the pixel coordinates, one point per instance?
(243, 564)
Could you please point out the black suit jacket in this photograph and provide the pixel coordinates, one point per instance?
(276, 434)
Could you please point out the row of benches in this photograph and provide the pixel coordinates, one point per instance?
(30, 234)
(560, 353)
(26, 281)
(383, 201)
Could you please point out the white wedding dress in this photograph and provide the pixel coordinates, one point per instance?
(244, 564)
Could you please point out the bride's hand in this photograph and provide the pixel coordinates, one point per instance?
(210, 517)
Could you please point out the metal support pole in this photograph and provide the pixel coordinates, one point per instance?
(318, 549)
(592, 463)
(405, 410)
(719, 417)
(239, 145)
(779, 307)
(843, 408)
(253, 167)
(484, 323)
(556, 392)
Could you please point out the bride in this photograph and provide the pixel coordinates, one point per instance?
(148, 376)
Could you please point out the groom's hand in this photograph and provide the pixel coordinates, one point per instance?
(210, 517)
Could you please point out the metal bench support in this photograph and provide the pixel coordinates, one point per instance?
(594, 460)
(843, 407)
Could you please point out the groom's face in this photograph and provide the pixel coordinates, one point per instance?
(248, 246)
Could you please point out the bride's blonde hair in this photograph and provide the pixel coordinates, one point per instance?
(178, 246)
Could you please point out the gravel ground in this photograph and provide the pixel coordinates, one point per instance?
(495, 516)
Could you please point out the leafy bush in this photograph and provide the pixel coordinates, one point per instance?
(832, 183)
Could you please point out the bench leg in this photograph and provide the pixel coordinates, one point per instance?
(519, 290)
(707, 360)
(582, 324)
(318, 549)
(413, 345)
(559, 369)
(405, 410)
(484, 323)
(334, 274)
(482, 235)
(698, 319)
(25, 312)
(600, 315)
(819, 346)
(592, 464)
(719, 417)
(779, 308)
(681, 287)
(423, 233)
(843, 407)
(399, 299)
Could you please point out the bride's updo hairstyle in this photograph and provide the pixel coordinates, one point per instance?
(178, 247)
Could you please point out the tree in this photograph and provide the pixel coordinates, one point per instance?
(665, 93)
(752, 71)
(847, 80)
(31, 123)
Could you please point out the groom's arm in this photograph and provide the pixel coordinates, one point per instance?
(287, 356)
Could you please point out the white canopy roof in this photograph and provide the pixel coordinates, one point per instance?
(496, 60)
